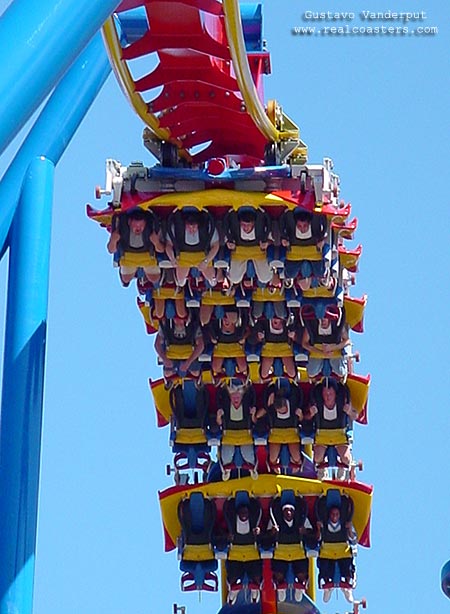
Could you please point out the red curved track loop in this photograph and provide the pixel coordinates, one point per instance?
(200, 101)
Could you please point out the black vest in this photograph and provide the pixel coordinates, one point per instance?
(342, 397)
(171, 339)
(233, 229)
(289, 534)
(120, 223)
(346, 509)
(177, 230)
(288, 226)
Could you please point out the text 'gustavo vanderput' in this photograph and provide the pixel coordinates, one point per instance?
(365, 16)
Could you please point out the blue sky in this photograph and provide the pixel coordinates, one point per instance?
(378, 105)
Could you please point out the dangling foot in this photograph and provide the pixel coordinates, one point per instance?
(348, 594)
(254, 595)
(298, 594)
(342, 473)
(232, 596)
(322, 473)
(226, 474)
(327, 592)
(281, 594)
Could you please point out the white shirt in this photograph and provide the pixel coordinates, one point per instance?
(330, 414)
(324, 330)
(236, 413)
(136, 240)
(248, 236)
(242, 526)
(303, 235)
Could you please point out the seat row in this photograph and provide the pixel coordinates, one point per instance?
(288, 529)
(282, 417)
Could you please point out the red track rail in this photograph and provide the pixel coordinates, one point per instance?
(200, 101)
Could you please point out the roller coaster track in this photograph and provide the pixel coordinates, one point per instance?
(212, 89)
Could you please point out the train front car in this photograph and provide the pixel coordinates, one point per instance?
(237, 248)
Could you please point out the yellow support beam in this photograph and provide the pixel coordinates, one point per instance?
(126, 83)
(244, 78)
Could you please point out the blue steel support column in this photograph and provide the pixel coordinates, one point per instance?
(23, 374)
(38, 42)
(56, 124)
(23, 385)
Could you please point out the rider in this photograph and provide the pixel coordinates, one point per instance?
(326, 339)
(134, 236)
(303, 234)
(247, 235)
(337, 535)
(275, 334)
(228, 338)
(283, 408)
(243, 521)
(179, 343)
(236, 410)
(331, 410)
(290, 523)
(196, 243)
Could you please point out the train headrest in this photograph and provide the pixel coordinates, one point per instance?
(197, 507)
(287, 498)
(333, 498)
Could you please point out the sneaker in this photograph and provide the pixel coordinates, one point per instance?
(226, 474)
(281, 594)
(252, 358)
(322, 473)
(348, 594)
(293, 303)
(165, 264)
(254, 474)
(327, 594)
(298, 594)
(232, 596)
(254, 595)
(276, 264)
(221, 264)
(342, 473)
(242, 302)
(192, 302)
(305, 283)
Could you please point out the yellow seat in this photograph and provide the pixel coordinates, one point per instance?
(243, 553)
(236, 438)
(284, 435)
(263, 295)
(340, 550)
(331, 437)
(276, 350)
(251, 252)
(289, 552)
(319, 292)
(317, 353)
(179, 352)
(138, 259)
(188, 259)
(228, 350)
(216, 297)
(190, 436)
(304, 252)
(168, 293)
(200, 552)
